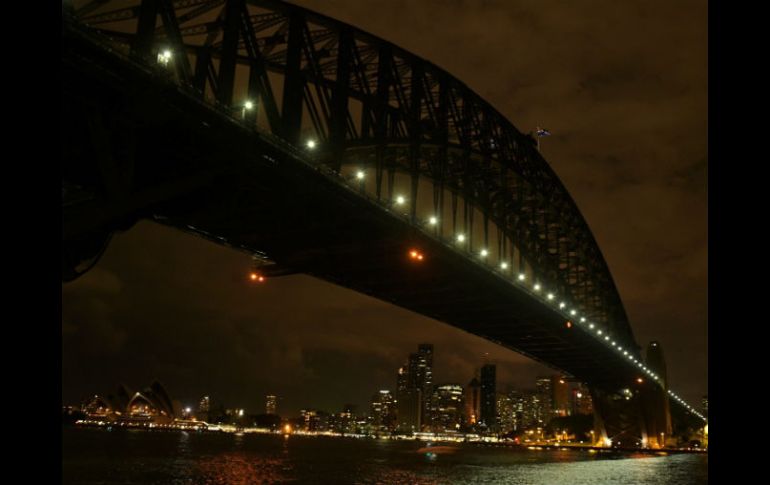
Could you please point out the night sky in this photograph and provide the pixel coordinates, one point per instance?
(622, 86)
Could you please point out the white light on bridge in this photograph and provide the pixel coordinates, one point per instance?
(599, 332)
(400, 200)
(606, 337)
(572, 312)
(248, 105)
(311, 144)
(522, 276)
(562, 305)
(484, 253)
(360, 175)
(503, 265)
(164, 56)
(550, 296)
(537, 287)
(591, 326)
(582, 319)
(433, 221)
(461, 238)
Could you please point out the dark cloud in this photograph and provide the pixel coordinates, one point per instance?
(621, 85)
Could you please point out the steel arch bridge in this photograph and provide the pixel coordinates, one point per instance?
(406, 136)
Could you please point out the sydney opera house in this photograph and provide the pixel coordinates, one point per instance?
(151, 406)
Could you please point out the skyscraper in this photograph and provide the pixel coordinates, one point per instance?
(204, 406)
(545, 400)
(488, 396)
(382, 411)
(271, 404)
(447, 408)
(506, 415)
(424, 380)
(560, 400)
(408, 397)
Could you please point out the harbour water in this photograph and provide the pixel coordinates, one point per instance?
(138, 457)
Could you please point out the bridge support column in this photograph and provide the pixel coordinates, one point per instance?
(636, 418)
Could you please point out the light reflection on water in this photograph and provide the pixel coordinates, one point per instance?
(94, 456)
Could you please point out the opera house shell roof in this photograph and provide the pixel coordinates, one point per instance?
(152, 404)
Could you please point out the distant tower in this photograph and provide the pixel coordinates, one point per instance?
(560, 398)
(425, 380)
(204, 406)
(408, 402)
(544, 393)
(660, 412)
(271, 404)
(488, 396)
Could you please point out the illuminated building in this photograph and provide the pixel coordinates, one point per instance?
(204, 407)
(271, 404)
(506, 416)
(151, 405)
(447, 408)
(343, 422)
(383, 411)
(580, 398)
(560, 399)
(413, 390)
(424, 379)
(488, 396)
(545, 399)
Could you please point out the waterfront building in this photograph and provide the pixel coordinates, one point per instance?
(271, 404)
(447, 408)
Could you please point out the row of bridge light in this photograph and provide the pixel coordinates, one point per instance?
(165, 56)
(598, 333)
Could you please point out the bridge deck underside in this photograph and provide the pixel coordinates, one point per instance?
(258, 196)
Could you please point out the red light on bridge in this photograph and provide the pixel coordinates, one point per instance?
(415, 255)
(569, 324)
(256, 277)
(639, 380)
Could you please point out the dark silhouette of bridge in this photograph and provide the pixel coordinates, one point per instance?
(322, 149)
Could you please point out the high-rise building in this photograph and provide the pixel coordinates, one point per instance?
(271, 404)
(488, 396)
(506, 416)
(580, 400)
(407, 398)
(413, 390)
(473, 402)
(447, 408)
(545, 400)
(424, 380)
(345, 421)
(561, 393)
(383, 411)
(204, 407)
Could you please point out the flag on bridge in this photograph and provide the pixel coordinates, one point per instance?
(543, 132)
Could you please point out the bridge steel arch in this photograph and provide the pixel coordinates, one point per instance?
(370, 104)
